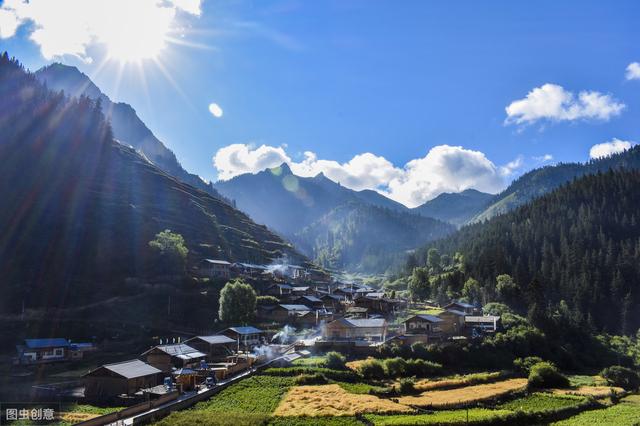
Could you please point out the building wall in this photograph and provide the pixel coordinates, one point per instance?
(452, 324)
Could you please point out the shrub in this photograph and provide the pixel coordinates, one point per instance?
(420, 350)
(523, 365)
(371, 369)
(422, 368)
(335, 361)
(622, 377)
(407, 386)
(337, 375)
(546, 375)
(311, 379)
(395, 367)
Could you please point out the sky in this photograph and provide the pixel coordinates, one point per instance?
(409, 98)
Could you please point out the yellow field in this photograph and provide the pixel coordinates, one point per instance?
(332, 400)
(353, 365)
(466, 395)
(594, 391)
(72, 417)
(425, 385)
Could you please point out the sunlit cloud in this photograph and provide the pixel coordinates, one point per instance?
(443, 169)
(633, 71)
(552, 102)
(543, 158)
(129, 30)
(607, 149)
(215, 110)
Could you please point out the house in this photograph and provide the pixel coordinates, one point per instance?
(248, 269)
(216, 347)
(348, 329)
(381, 305)
(296, 272)
(37, 351)
(300, 291)
(213, 268)
(279, 290)
(423, 324)
(286, 313)
(333, 302)
(127, 377)
(453, 322)
(467, 308)
(311, 301)
(357, 312)
(167, 357)
(245, 337)
(477, 325)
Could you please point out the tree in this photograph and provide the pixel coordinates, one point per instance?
(170, 252)
(433, 260)
(506, 288)
(472, 290)
(237, 302)
(419, 284)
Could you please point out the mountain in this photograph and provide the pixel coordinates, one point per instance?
(127, 127)
(455, 208)
(362, 237)
(579, 244)
(543, 180)
(79, 209)
(288, 203)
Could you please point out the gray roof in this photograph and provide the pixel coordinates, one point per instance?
(454, 311)
(216, 339)
(463, 304)
(375, 295)
(311, 299)
(364, 323)
(131, 369)
(426, 317)
(217, 262)
(299, 288)
(179, 350)
(245, 330)
(296, 307)
(482, 319)
(46, 343)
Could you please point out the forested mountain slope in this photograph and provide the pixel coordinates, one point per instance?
(455, 208)
(79, 209)
(127, 127)
(580, 244)
(543, 180)
(362, 237)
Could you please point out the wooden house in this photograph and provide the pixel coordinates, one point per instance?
(216, 347)
(467, 308)
(453, 322)
(286, 313)
(481, 324)
(311, 301)
(423, 324)
(38, 351)
(127, 377)
(214, 268)
(349, 329)
(167, 357)
(246, 338)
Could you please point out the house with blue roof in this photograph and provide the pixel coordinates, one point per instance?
(246, 337)
(37, 351)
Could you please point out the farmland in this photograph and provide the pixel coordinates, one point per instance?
(626, 413)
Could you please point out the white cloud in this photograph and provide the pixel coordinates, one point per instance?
(130, 30)
(633, 71)
(552, 102)
(512, 166)
(215, 110)
(606, 149)
(444, 169)
(544, 158)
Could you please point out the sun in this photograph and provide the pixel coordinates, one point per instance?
(130, 39)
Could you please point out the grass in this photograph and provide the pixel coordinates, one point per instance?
(459, 381)
(314, 361)
(360, 388)
(449, 417)
(577, 380)
(315, 421)
(248, 402)
(593, 391)
(626, 413)
(464, 396)
(332, 400)
(543, 403)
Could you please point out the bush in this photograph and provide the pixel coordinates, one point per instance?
(622, 377)
(337, 375)
(420, 350)
(311, 379)
(371, 369)
(395, 367)
(335, 361)
(422, 368)
(407, 386)
(546, 375)
(523, 365)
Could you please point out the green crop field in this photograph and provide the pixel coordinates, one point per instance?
(450, 417)
(626, 413)
(544, 403)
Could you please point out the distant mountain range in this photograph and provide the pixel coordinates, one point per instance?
(455, 208)
(128, 128)
(79, 209)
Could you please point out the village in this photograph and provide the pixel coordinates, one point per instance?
(308, 313)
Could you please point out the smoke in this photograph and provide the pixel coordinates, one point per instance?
(283, 336)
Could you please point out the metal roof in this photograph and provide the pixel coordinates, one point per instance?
(463, 304)
(453, 311)
(426, 317)
(299, 288)
(46, 343)
(375, 295)
(311, 299)
(217, 339)
(482, 319)
(245, 330)
(179, 350)
(130, 369)
(364, 323)
(217, 262)
(296, 307)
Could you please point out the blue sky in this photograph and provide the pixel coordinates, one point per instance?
(394, 79)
